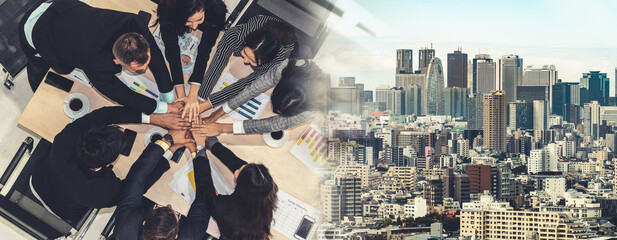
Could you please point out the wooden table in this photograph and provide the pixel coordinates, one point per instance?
(45, 116)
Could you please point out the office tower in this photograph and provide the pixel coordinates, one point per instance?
(495, 119)
(565, 94)
(347, 97)
(479, 178)
(396, 101)
(521, 115)
(425, 55)
(591, 119)
(413, 100)
(434, 88)
(456, 101)
(368, 96)
(541, 75)
(540, 115)
(511, 75)
(420, 80)
(492, 222)
(457, 69)
(615, 76)
(483, 74)
(532, 93)
(404, 61)
(594, 87)
(381, 93)
(475, 105)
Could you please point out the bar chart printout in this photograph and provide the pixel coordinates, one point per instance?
(251, 109)
(312, 149)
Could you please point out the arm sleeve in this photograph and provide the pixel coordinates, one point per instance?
(172, 52)
(208, 39)
(276, 123)
(112, 87)
(106, 116)
(232, 39)
(260, 85)
(195, 224)
(157, 62)
(134, 188)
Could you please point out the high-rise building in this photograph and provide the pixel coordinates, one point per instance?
(413, 100)
(521, 115)
(511, 75)
(396, 101)
(591, 119)
(595, 87)
(475, 105)
(425, 55)
(456, 101)
(565, 94)
(541, 75)
(347, 97)
(435, 88)
(484, 70)
(495, 121)
(532, 93)
(540, 115)
(418, 79)
(341, 197)
(368, 96)
(404, 61)
(381, 93)
(479, 178)
(457, 69)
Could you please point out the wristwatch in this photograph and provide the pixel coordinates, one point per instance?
(199, 147)
(168, 138)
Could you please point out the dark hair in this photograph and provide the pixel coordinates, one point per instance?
(301, 88)
(283, 31)
(99, 146)
(252, 205)
(173, 14)
(160, 225)
(131, 47)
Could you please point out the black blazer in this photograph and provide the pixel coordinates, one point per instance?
(65, 186)
(71, 34)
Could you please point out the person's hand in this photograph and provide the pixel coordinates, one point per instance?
(175, 147)
(179, 137)
(175, 107)
(191, 108)
(170, 121)
(214, 116)
(211, 130)
(198, 136)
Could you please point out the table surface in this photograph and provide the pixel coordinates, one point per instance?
(44, 115)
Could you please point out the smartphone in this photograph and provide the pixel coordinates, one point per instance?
(178, 154)
(304, 228)
(59, 82)
(127, 142)
(145, 16)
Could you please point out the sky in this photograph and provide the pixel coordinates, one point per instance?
(575, 36)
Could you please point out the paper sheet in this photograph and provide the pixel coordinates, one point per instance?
(312, 150)
(250, 110)
(140, 84)
(80, 76)
(290, 213)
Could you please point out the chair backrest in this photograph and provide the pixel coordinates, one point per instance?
(24, 210)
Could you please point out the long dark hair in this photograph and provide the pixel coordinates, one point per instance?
(252, 205)
(173, 14)
(267, 41)
(301, 88)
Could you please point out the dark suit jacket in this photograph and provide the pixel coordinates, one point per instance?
(72, 34)
(64, 185)
(129, 218)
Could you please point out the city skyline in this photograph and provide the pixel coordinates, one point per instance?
(573, 36)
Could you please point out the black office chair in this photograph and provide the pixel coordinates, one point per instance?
(20, 207)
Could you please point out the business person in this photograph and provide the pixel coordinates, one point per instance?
(68, 34)
(77, 173)
(179, 17)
